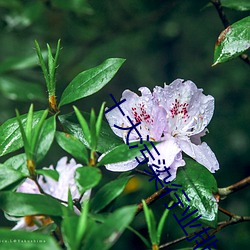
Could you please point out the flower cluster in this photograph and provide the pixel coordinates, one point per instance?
(176, 116)
(58, 189)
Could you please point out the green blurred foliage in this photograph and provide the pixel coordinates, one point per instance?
(161, 41)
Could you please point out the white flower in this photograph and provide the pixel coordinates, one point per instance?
(177, 115)
(58, 189)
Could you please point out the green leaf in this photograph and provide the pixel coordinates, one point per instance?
(42, 64)
(69, 230)
(82, 223)
(53, 174)
(19, 63)
(19, 90)
(46, 138)
(16, 240)
(90, 81)
(87, 177)
(233, 41)
(92, 127)
(8, 176)
(99, 121)
(74, 228)
(37, 132)
(123, 153)
(150, 219)
(162, 222)
(73, 146)
(105, 235)
(108, 193)
(18, 162)
(107, 139)
(199, 185)
(241, 5)
(20, 204)
(10, 136)
(84, 125)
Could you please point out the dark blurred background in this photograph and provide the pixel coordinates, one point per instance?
(161, 41)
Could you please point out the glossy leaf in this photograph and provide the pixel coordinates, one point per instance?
(73, 146)
(123, 153)
(105, 235)
(20, 204)
(10, 136)
(90, 81)
(53, 174)
(18, 162)
(241, 5)
(199, 185)
(46, 137)
(233, 41)
(19, 90)
(87, 177)
(108, 193)
(107, 138)
(16, 240)
(9, 175)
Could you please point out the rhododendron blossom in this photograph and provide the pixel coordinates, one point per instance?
(58, 189)
(176, 115)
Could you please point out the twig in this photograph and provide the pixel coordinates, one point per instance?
(234, 220)
(224, 211)
(226, 23)
(152, 198)
(224, 192)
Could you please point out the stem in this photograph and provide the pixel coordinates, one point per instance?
(226, 23)
(234, 220)
(224, 192)
(151, 199)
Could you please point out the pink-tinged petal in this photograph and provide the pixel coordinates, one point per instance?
(123, 166)
(141, 109)
(170, 154)
(189, 110)
(201, 153)
(59, 189)
(29, 187)
(196, 139)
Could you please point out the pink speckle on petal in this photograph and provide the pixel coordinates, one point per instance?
(179, 109)
(141, 114)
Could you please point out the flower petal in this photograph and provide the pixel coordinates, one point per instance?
(201, 153)
(123, 166)
(170, 152)
(189, 110)
(59, 189)
(139, 109)
(29, 187)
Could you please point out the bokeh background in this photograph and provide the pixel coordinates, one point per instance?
(161, 41)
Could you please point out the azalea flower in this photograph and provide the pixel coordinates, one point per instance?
(58, 189)
(176, 115)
